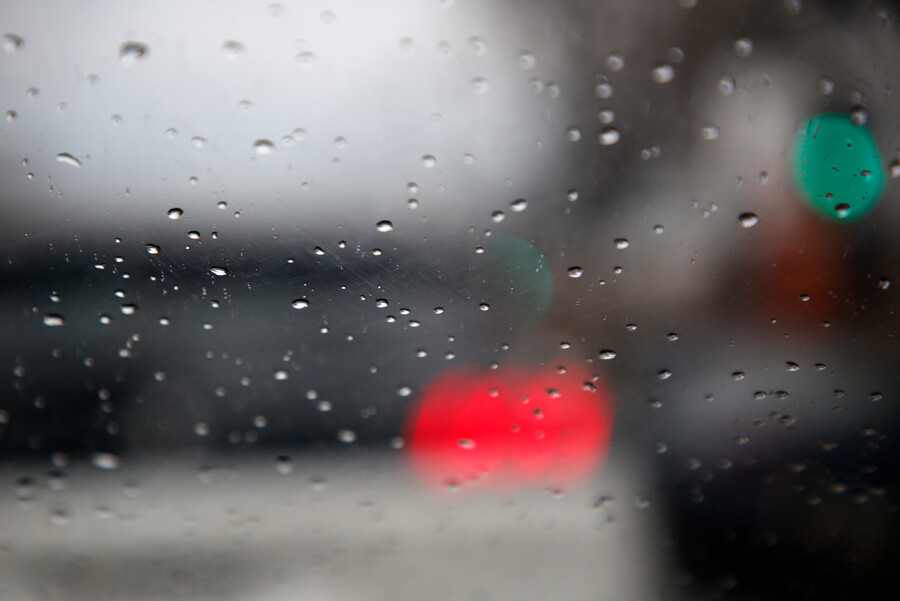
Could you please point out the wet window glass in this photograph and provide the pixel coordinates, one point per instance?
(448, 299)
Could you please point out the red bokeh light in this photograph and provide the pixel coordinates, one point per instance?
(510, 428)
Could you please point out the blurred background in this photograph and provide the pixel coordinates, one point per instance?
(286, 285)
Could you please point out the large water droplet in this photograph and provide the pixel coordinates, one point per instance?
(53, 320)
(621, 243)
(748, 220)
(384, 226)
(174, 213)
(300, 303)
(219, 271)
(132, 52)
(608, 136)
(607, 354)
(263, 147)
(67, 159)
(153, 249)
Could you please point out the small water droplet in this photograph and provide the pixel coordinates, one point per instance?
(105, 461)
(67, 159)
(859, 116)
(484, 307)
(621, 243)
(709, 132)
(575, 272)
(743, 47)
(11, 43)
(280, 375)
(404, 391)
(306, 59)
(573, 134)
(300, 303)
(10, 116)
(884, 283)
(791, 366)
(384, 226)
(607, 354)
(198, 142)
(842, 209)
(498, 216)
(428, 161)
(128, 308)
(738, 376)
(662, 73)
(664, 374)
(480, 85)
(726, 85)
(479, 45)
(263, 147)
(219, 271)
(346, 436)
(615, 61)
(608, 136)
(748, 220)
(518, 205)
(233, 50)
(132, 52)
(174, 213)
(526, 61)
(53, 320)
(153, 249)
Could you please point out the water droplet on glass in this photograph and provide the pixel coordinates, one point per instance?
(575, 272)
(132, 52)
(105, 461)
(621, 243)
(404, 391)
(859, 116)
(726, 85)
(174, 213)
(519, 205)
(198, 142)
(263, 147)
(306, 59)
(10, 116)
(128, 308)
(664, 374)
(219, 271)
(526, 60)
(429, 161)
(480, 85)
(573, 134)
(884, 283)
(826, 86)
(662, 73)
(743, 47)
(53, 320)
(498, 216)
(479, 45)
(346, 436)
(608, 136)
(842, 209)
(67, 159)
(607, 354)
(11, 43)
(233, 50)
(384, 226)
(484, 307)
(32, 93)
(615, 61)
(748, 220)
(153, 249)
(709, 132)
(300, 303)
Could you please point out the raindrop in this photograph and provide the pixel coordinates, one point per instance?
(726, 85)
(607, 354)
(128, 308)
(498, 216)
(884, 283)
(198, 142)
(743, 47)
(67, 159)
(171, 133)
(53, 320)
(175, 213)
(153, 249)
(518, 205)
(842, 209)
(662, 73)
(280, 375)
(572, 195)
(484, 307)
(132, 52)
(608, 136)
(381, 303)
(573, 134)
(859, 116)
(10, 116)
(480, 85)
(300, 303)
(621, 243)
(233, 50)
(283, 465)
(194, 235)
(306, 59)
(709, 132)
(105, 461)
(479, 45)
(263, 147)
(404, 391)
(615, 61)
(826, 86)
(664, 374)
(575, 272)
(748, 220)
(738, 376)
(526, 60)
(791, 366)
(384, 226)
(12, 43)
(346, 436)
(429, 161)
(220, 271)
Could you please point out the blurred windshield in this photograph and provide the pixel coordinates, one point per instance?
(448, 299)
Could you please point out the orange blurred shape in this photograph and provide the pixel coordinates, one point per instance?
(509, 428)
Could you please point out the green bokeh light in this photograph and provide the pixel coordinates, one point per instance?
(837, 167)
